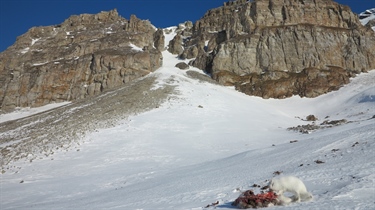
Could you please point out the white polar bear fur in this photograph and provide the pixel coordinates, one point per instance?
(289, 184)
(283, 200)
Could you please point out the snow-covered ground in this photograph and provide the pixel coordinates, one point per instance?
(207, 144)
(25, 112)
(366, 16)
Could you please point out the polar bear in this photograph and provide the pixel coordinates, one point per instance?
(289, 184)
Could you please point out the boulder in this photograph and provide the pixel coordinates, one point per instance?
(311, 118)
(182, 65)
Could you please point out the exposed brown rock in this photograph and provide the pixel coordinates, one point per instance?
(178, 44)
(310, 82)
(190, 52)
(311, 118)
(83, 56)
(182, 66)
(159, 40)
(175, 45)
(272, 48)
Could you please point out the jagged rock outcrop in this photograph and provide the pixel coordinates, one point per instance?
(159, 40)
(273, 48)
(175, 46)
(85, 55)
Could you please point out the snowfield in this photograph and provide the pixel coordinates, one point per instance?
(207, 143)
(367, 16)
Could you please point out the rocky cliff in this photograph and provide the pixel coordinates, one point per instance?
(84, 56)
(267, 48)
(280, 48)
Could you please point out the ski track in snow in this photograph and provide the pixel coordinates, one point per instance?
(204, 144)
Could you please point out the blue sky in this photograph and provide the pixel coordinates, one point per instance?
(17, 16)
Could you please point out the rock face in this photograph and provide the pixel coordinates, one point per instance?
(371, 24)
(280, 48)
(175, 46)
(267, 48)
(83, 56)
(159, 40)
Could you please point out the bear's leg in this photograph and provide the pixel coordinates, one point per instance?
(297, 197)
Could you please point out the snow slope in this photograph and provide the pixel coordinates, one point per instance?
(28, 111)
(366, 16)
(207, 144)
